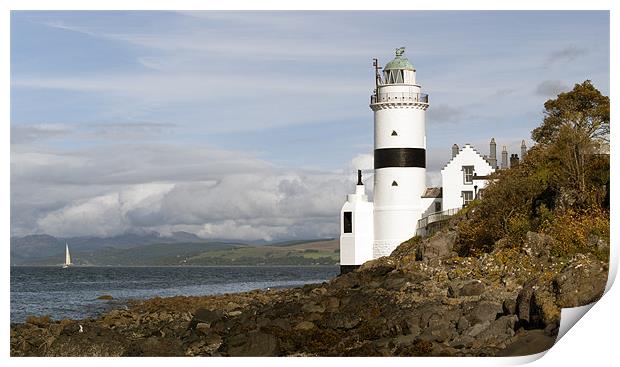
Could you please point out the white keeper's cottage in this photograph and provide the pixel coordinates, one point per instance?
(401, 199)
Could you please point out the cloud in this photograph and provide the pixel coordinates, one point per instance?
(216, 193)
(551, 88)
(34, 132)
(444, 113)
(564, 55)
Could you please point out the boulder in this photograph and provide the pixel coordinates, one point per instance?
(40, 321)
(535, 305)
(440, 246)
(581, 282)
(205, 316)
(465, 288)
(254, 344)
(537, 244)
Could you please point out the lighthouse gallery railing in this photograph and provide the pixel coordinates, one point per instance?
(399, 97)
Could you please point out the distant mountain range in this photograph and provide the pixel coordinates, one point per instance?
(179, 248)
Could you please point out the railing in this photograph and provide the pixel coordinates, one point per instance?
(436, 217)
(399, 97)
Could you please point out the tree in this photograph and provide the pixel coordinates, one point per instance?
(584, 110)
(575, 126)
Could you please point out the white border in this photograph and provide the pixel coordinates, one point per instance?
(593, 340)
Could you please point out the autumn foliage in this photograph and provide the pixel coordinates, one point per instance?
(561, 187)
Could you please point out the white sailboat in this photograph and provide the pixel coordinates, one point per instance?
(67, 257)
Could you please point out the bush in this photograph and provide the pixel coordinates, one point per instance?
(574, 230)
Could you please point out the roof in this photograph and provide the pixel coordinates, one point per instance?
(399, 62)
(472, 148)
(433, 192)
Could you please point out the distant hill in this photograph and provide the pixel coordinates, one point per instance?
(315, 252)
(181, 248)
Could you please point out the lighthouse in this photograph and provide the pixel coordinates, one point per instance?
(373, 229)
(399, 108)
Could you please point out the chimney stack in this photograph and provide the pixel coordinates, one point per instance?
(514, 160)
(455, 150)
(504, 158)
(493, 153)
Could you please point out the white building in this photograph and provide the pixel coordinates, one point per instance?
(356, 228)
(370, 230)
(458, 177)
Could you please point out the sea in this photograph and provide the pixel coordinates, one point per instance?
(72, 293)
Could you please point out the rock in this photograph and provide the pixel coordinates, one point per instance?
(305, 325)
(378, 267)
(535, 305)
(479, 312)
(202, 327)
(234, 313)
(105, 297)
(524, 302)
(71, 329)
(281, 323)
(527, 343)
(254, 344)
(498, 331)
(478, 328)
(439, 246)
(581, 282)
(537, 244)
(509, 307)
(40, 321)
(598, 243)
(464, 289)
(462, 324)
(473, 288)
(313, 307)
(206, 316)
(332, 303)
(153, 346)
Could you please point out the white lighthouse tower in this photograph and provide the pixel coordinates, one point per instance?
(399, 108)
(371, 230)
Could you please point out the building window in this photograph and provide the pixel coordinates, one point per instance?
(468, 196)
(394, 183)
(437, 206)
(394, 133)
(468, 174)
(347, 222)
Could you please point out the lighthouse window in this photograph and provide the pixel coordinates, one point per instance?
(399, 76)
(394, 133)
(468, 174)
(394, 183)
(347, 223)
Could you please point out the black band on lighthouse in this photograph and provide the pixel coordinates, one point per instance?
(400, 157)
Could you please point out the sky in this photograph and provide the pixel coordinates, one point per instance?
(250, 125)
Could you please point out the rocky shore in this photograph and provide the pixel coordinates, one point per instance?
(423, 300)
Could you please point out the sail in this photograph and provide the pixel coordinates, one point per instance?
(67, 255)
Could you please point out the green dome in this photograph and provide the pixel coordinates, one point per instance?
(399, 62)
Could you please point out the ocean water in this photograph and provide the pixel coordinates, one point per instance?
(72, 293)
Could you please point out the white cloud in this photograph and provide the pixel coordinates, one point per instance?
(222, 194)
